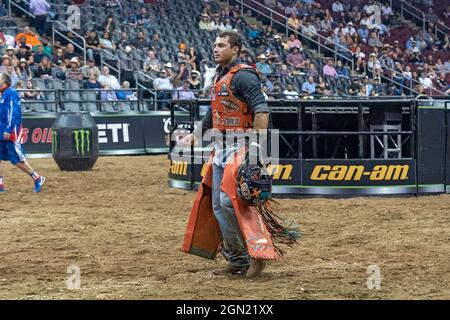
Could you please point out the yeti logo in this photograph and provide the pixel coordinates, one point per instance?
(82, 141)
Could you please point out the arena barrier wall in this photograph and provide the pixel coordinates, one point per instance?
(119, 133)
(327, 149)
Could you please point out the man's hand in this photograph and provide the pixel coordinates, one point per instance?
(6, 136)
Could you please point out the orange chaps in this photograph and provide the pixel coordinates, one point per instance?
(203, 236)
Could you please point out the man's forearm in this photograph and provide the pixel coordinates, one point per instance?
(261, 121)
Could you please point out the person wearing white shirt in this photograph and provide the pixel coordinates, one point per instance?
(205, 23)
(290, 93)
(339, 28)
(163, 83)
(349, 29)
(109, 80)
(425, 80)
(337, 7)
(386, 10)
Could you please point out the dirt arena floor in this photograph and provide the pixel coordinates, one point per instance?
(122, 226)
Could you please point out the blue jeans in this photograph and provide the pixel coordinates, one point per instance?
(234, 247)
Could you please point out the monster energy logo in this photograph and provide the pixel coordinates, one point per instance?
(54, 141)
(82, 141)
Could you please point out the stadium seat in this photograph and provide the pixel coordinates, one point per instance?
(108, 106)
(89, 101)
(55, 84)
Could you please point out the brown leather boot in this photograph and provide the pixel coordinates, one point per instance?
(256, 267)
(230, 270)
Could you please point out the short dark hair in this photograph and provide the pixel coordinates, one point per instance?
(234, 38)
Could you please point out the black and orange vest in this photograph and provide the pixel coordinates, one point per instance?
(228, 112)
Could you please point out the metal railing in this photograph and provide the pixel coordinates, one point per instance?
(141, 86)
(421, 17)
(104, 54)
(273, 13)
(12, 3)
(413, 11)
(60, 100)
(58, 32)
(55, 23)
(321, 46)
(319, 37)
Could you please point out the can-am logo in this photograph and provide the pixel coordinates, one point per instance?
(359, 172)
(119, 132)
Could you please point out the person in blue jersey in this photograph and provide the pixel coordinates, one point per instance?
(11, 133)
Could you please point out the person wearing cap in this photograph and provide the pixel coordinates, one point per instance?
(349, 29)
(90, 68)
(23, 70)
(162, 83)
(262, 65)
(194, 80)
(295, 59)
(25, 53)
(205, 23)
(11, 54)
(74, 72)
(182, 55)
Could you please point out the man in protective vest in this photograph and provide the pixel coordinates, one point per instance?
(220, 220)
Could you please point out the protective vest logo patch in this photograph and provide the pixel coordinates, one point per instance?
(223, 90)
